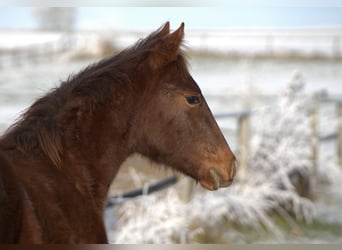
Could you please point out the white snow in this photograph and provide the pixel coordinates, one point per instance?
(14, 39)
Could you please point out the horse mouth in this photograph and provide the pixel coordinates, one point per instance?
(218, 180)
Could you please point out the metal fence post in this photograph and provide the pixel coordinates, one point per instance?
(336, 46)
(270, 44)
(314, 140)
(243, 143)
(339, 133)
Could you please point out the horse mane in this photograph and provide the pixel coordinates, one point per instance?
(40, 128)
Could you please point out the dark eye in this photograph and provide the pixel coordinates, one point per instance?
(193, 100)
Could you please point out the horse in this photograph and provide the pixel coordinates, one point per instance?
(59, 158)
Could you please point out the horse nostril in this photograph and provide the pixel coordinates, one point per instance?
(233, 170)
(216, 177)
(218, 180)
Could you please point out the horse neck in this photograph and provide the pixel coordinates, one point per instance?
(102, 146)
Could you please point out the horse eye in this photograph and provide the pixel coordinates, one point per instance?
(192, 100)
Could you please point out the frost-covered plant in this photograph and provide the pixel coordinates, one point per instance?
(152, 219)
(281, 150)
(280, 147)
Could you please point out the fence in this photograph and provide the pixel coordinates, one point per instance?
(42, 52)
(243, 119)
(316, 138)
(281, 42)
(243, 135)
(299, 42)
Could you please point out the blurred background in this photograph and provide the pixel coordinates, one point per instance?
(271, 75)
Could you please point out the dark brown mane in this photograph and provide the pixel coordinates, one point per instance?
(40, 128)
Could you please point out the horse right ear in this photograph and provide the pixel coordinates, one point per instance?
(168, 48)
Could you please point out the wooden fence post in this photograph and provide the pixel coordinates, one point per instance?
(243, 143)
(336, 46)
(339, 133)
(314, 140)
(185, 187)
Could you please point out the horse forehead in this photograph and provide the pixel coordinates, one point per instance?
(191, 87)
(177, 76)
(190, 84)
(185, 81)
(186, 85)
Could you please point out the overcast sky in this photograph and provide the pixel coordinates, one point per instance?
(194, 17)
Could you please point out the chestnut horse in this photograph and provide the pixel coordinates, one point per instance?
(58, 160)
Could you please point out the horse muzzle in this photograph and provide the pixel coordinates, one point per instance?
(219, 180)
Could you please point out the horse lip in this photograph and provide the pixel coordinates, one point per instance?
(226, 183)
(218, 179)
(215, 177)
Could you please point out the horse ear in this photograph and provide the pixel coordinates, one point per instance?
(164, 30)
(168, 49)
(175, 39)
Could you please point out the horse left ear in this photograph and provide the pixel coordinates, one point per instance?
(168, 49)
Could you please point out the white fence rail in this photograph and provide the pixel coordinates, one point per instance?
(19, 46)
